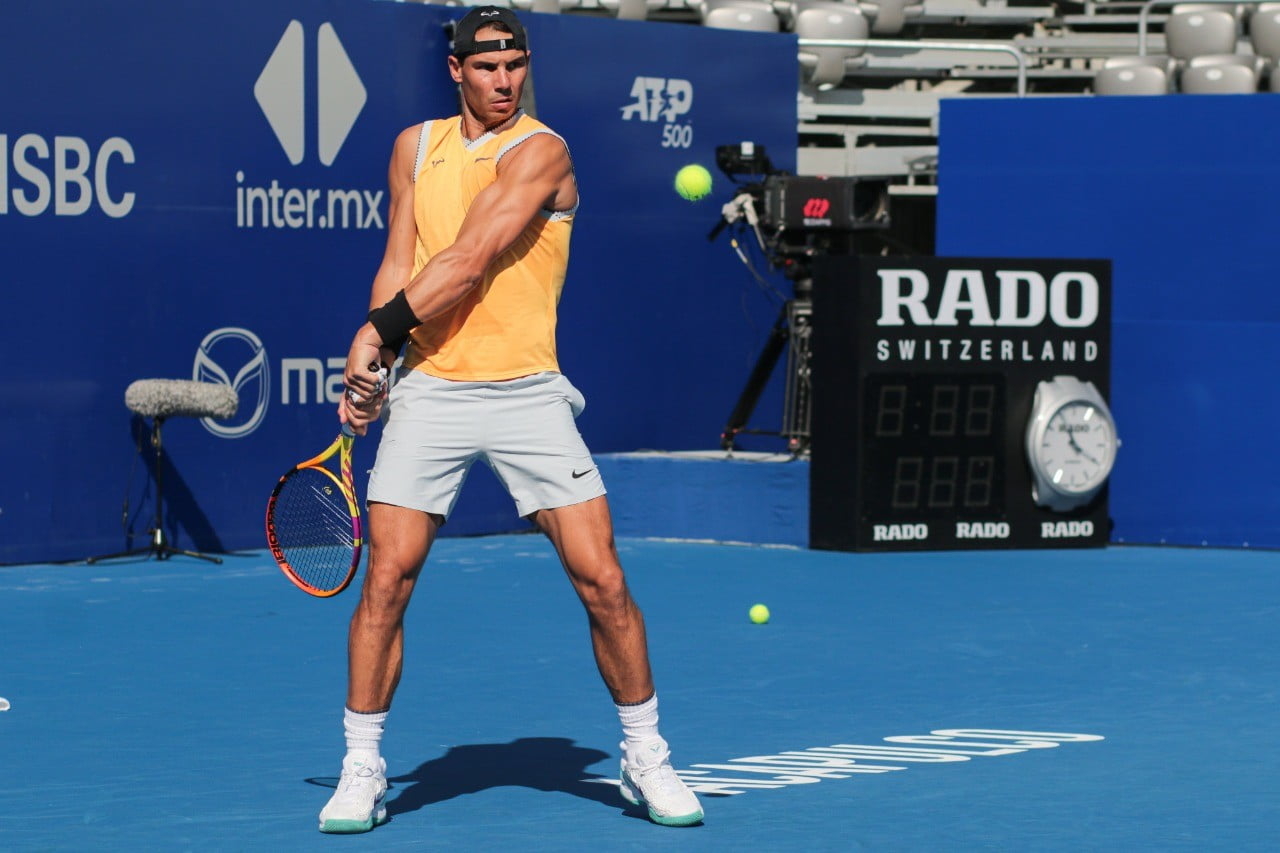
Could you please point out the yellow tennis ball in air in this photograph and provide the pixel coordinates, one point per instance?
(693, 182)
(759, 614)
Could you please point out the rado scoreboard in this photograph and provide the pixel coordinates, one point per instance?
(960, 403)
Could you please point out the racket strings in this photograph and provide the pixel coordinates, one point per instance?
(314, 529)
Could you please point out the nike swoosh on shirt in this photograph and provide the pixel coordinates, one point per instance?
(577, 474)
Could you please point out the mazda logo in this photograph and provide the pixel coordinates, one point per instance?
(235, 357)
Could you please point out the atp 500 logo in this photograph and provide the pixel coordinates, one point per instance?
(665, 100)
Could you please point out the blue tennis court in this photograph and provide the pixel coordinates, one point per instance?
(1116, 699)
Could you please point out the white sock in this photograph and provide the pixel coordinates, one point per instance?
(364, 733)
(639, 721)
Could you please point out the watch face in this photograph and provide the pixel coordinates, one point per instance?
(1077, 448)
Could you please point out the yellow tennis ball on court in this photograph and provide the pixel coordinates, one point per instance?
(693, 182)
(759, 614)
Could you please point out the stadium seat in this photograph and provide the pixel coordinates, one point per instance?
(1245, 59)
(1237, 11)
(1200, 32)
(1264, 31)
(1225, 74)
(631, 10)
(888, 17)
(825, 67)
(552, 7)
(755, 15)
(1133, 75)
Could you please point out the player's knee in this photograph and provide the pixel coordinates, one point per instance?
(388, 585)
(605, 592)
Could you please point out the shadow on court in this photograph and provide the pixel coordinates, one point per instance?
(539, 763)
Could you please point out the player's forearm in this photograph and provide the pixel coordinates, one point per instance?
(389, 279)
(440, 286)
(443, 283)
(396, 268)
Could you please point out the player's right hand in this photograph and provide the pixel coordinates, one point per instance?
(359, 410)
(360, 415)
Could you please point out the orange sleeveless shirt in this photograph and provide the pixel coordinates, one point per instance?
(506, 326)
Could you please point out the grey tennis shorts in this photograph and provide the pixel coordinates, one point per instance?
(522, 428)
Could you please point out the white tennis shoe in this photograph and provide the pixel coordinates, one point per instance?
(648, 778)
(358, 804)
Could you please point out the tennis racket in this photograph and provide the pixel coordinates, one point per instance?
(313, 519)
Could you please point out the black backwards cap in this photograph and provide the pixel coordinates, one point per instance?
(464, 32)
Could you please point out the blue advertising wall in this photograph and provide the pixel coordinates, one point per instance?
(142, 145)
(1180, 192)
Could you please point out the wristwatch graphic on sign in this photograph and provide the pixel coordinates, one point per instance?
(1071, 443)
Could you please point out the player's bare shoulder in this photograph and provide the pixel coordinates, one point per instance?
(538, 152)
(404, 153)
(541, 160)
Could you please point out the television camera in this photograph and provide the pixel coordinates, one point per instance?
(795, 217)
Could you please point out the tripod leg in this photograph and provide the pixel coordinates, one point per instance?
(759, 377)
(799, 391)
(130, 553)
(163, 550)
(169, 549)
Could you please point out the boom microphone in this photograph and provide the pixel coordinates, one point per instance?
(162, 398)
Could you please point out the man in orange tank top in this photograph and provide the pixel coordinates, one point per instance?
(481, 208)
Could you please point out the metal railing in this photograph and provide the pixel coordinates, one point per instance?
(902, 44)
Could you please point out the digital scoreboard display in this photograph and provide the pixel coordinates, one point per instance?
(924, 375)
(932, 445)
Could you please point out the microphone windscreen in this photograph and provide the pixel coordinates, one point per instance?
(163, 398)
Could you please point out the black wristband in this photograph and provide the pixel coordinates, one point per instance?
(395, 346)
(393, 321)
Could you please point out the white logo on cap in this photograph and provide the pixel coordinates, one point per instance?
(281, 93)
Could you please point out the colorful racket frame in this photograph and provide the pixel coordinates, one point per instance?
(342, 446)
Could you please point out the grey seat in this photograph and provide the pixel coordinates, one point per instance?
(1200, 32)
(825, 67)
(631, 10)
(1264, 31)
(1243, 59)
(752, 15)
(888, 17)
(1225, 74)
(1134, 75)
(553, 7)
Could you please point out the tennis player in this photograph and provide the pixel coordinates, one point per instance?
(482, 205)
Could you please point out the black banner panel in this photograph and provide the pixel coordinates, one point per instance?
(960, 403)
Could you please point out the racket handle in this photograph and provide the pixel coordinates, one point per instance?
(348, 431)
(381, 385)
